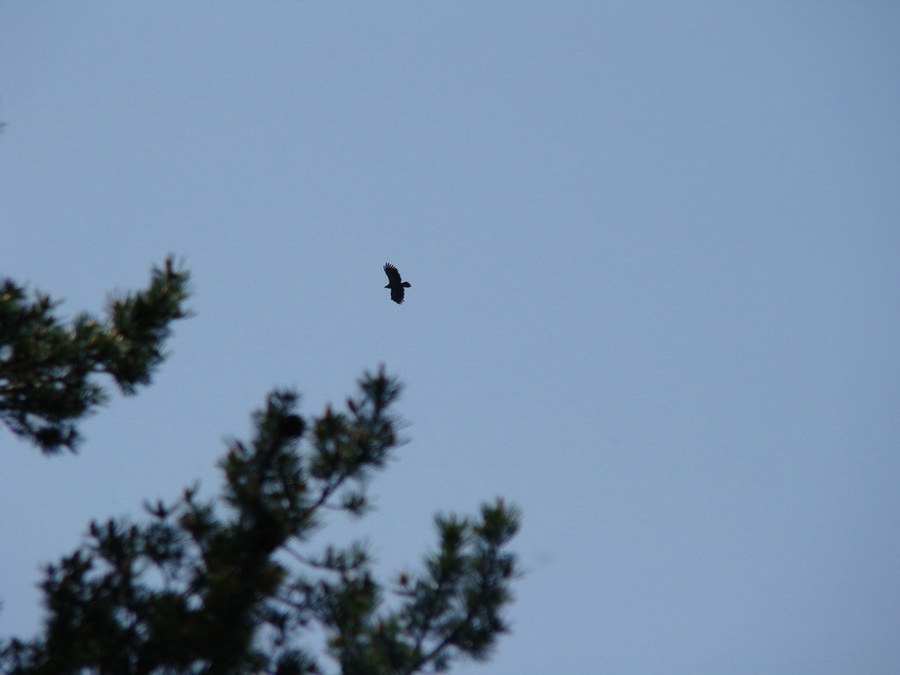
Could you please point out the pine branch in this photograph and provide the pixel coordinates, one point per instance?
(46, 366)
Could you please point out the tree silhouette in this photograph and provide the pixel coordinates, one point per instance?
(47, 367)
(235, 584)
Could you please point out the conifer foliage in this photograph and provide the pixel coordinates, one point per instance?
(47, 367)
(238, 584)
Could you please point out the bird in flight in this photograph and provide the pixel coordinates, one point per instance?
(394, 283)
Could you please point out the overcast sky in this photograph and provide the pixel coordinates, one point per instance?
(653, 249)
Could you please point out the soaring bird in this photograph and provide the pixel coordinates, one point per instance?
(394, 283)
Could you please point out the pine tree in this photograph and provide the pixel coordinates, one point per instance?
(235, 584)
(47, 367)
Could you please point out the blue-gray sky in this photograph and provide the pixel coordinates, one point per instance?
(654, 256)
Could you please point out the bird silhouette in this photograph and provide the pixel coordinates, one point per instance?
(396, 285)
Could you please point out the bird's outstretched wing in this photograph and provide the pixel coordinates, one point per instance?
(392, 274)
